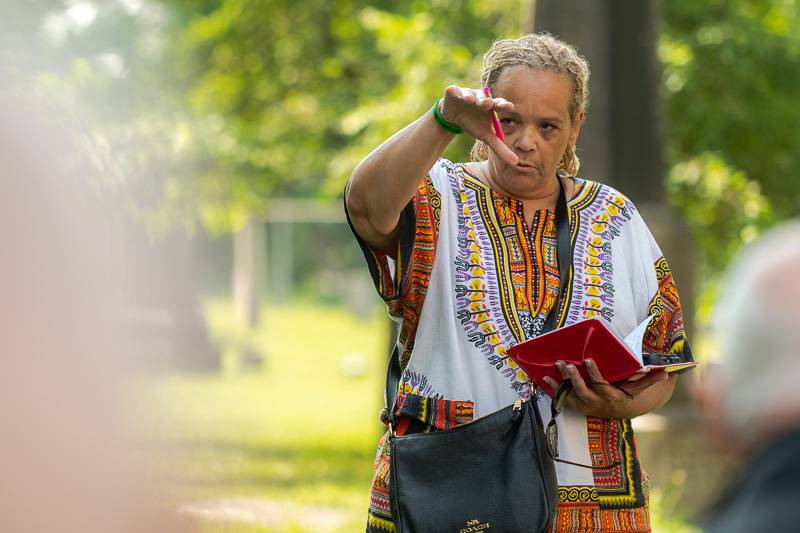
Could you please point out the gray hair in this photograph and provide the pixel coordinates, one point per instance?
(757, 322)
(539, 51)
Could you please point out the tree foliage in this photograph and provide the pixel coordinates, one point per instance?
(205, 109)
(201, 110)
(288, 92)
(731, 85)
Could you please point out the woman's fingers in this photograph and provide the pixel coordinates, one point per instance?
(603, 387)
(457, 100)
(594, 371)
(473, 96)
(469, 96)
(551, 384)
(501, 149)
(465, 106)
(477, 96)
(471, 110)
(595, 396)
(452, 91)
(635, 387)
(501, 104)
(579, 387)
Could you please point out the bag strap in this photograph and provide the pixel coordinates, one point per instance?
(564, 253)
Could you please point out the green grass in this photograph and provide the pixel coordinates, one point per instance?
(299, 432)
(661, 521)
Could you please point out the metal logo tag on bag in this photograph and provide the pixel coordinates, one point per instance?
(474, 526)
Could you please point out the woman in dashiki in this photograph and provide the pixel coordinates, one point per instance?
(464, 255)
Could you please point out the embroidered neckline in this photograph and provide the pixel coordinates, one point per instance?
(577, 193)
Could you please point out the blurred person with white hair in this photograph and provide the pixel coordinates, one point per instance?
(751, 399)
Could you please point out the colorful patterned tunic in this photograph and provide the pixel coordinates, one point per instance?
(487, 282)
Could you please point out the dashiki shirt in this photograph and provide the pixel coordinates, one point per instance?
(470, 279)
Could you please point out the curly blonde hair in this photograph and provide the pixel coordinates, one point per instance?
(540, 51)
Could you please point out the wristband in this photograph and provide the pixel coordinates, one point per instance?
(449, 126)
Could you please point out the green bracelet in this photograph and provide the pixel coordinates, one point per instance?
(452, 128)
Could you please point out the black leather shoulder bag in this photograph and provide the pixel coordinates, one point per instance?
(492, 474)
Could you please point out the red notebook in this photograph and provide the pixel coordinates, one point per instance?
(588, 339)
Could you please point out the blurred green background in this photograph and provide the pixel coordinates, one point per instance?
(222, 133)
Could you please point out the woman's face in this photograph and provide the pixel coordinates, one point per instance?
(538, 130)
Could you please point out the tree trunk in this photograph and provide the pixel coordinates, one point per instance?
(621, 144)
(621, 140)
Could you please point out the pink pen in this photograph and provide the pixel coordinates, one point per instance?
(495, 120)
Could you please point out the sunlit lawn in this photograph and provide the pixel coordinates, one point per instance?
(302, 431)
(299, 434)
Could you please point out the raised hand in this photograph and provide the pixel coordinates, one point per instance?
(471, 110)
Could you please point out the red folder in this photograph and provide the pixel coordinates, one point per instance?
(573, 344)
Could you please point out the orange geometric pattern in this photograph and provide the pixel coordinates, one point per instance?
(665, 332)
(417, 273)
(577, 513)
(520, 279)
